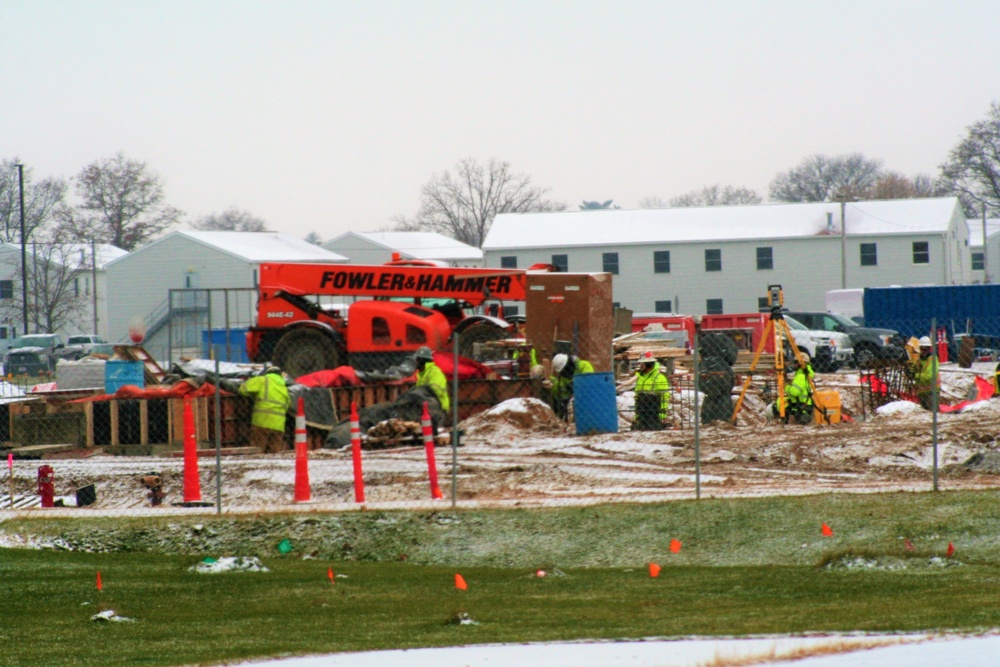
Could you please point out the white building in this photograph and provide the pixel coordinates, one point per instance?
(722, 259)
(989, 260)
(379, 248)
(85, 285)
(219, 272)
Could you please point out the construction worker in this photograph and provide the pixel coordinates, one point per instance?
(271, 402)
(996, 382)
(649, 380)
(798, 394)
(430, 375)
(925, 370)
(564, 367)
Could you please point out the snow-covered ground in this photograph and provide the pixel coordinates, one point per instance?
(828, 651)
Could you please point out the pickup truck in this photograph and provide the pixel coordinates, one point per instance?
(827, 350)
(869, 343)
(81, 345)
(35, 354)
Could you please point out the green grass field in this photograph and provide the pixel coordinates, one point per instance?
(745, 567)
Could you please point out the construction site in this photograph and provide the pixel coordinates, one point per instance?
(127, 434)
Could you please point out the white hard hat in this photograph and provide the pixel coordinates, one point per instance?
(647, 357)
(537, 371)
(925, 341)
(559, 362)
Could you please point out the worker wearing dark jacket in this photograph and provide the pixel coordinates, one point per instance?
(271, 401)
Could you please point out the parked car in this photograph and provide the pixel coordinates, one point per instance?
(35, 354)
(81, 345)
(827, 350)
(103, 350)
(869, 343)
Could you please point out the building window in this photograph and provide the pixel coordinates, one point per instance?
(76, 287)
(508, 262)
(713, 306)
(921, 252)
(6, 289)
(978, 263)
(713, 260)
(765, 259)
(869, 254)
(664, 306)
(510, 311)
(763, 303)
(4, 333)
(561, 262)
(661, 261)
(610, 262)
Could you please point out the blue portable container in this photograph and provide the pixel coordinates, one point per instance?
(117, 374)
(958, 308)
(234, 350)
(595, 408)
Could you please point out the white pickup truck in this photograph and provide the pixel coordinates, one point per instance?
(827, 350)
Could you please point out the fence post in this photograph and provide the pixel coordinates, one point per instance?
(218, 438)
(454, 423)
(934, 398)
(697, 413)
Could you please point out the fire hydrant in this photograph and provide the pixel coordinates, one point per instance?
(47, 485)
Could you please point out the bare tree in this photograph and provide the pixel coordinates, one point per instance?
(41, 200)
(893, 185)
(823, 178)
(231, 220)
(716, 195)
(57, 299)
(121, 204)
(463, 206)
(654, 202)
(314, 238)
(973, 167)
(606, 205)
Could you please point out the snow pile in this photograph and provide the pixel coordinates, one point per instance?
(109, 615)
(898, 408)
(228, 564)
(515, 417)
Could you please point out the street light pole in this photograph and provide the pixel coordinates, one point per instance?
(24, 251)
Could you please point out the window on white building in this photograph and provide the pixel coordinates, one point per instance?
(921, 252)
(869, 254)
(978, 261)
(713, 306)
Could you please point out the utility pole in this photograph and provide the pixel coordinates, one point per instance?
(843, 244)
(24, 252)
(986, 254)
(93, 280)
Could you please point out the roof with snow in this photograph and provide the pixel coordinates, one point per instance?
(976, 230)
(77, 255)
(257, 246)
(413, 245)
(720, 223)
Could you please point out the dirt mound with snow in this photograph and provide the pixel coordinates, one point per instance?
(512, 418)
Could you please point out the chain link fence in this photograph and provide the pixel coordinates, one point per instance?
(118, 439)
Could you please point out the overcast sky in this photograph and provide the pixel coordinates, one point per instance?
(329, 116)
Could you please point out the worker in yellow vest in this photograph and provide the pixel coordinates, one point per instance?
(270, 406)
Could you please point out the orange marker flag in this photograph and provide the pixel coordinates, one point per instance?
(460, 583)
(100, 586)
(675, 546)
(329, 574)
(908, 545)
(951, 550)
(827, 531)
(654, 570)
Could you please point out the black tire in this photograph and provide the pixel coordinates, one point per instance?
(481, 333)
(719, 345)
(304, 351)
(865, 356)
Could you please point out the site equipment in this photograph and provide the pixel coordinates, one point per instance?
(776, 328)
(397, 308)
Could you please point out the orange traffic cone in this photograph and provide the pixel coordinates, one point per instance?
(100, 586)
(654, 570)
(827, 531)
(951, 550)
(432, 472)
(675, 546)
(460, 583)
(359, 480)
(192, 486)
(329, 575)
(302, 490)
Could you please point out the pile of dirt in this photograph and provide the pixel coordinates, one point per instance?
(508, 422)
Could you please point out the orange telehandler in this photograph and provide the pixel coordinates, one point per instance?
(397, 308)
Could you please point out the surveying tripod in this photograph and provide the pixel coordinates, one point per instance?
(775, 329)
